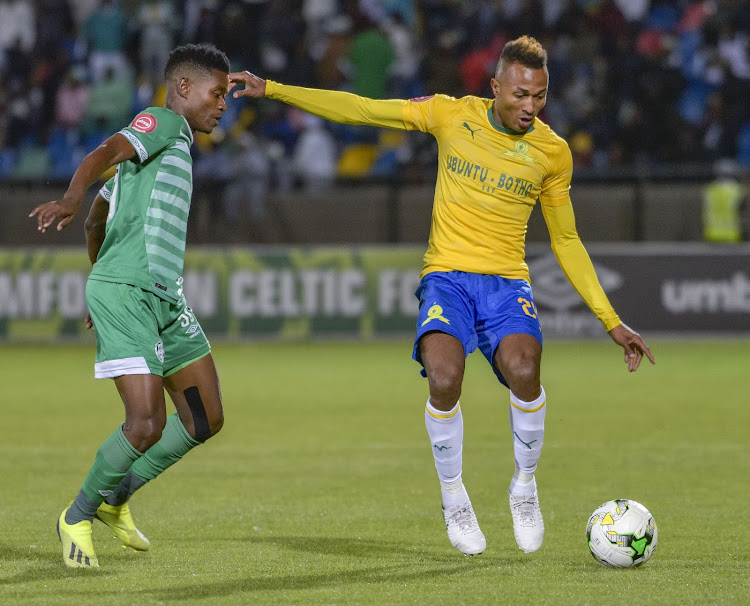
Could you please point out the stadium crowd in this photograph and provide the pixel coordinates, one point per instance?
(632, 81)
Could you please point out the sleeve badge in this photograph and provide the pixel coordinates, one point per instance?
(144, 123)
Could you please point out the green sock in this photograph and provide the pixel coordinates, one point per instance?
(175, 442)
(113, 459)
(125, 489)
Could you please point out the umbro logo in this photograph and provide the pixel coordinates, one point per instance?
(551, 287)
(442, 447)
(472, 131)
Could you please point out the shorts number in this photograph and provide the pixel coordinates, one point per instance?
(528, 307)
(186, 317)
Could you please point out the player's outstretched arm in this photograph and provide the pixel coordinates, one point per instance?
(634, 346)
(333, 105)
(114, 150)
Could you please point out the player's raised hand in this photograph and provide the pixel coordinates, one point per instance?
(254, 87)
(635, 347)
(58, 210)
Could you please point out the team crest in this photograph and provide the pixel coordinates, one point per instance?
(520, 150)
(144, 123)
(159, 350)
(435, 313)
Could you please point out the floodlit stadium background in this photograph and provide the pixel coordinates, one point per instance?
(301, 228)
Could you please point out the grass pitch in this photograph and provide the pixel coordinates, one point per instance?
(321, 488)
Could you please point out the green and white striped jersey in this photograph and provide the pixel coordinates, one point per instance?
(149, 203)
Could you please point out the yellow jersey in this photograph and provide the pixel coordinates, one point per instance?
(489, 179)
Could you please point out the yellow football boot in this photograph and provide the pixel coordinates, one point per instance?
(77, 545)
(121, 523)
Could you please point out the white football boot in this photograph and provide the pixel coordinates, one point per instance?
(528, 526)
(463, 529)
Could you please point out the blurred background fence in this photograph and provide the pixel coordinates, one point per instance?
(661, 204)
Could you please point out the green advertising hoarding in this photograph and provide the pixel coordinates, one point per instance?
(290, 293)
(363, 292)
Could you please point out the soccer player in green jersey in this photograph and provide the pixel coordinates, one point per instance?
(497, 159)
(147, 338)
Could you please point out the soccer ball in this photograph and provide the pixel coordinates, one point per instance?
(621, 534)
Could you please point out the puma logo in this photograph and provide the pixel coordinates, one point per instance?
(470, 129)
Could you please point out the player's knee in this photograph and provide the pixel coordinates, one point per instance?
(522, 375)
(215, 424)
(207, 420)
(445, 384)
(144, 432)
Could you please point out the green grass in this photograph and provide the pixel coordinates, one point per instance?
(321, 488)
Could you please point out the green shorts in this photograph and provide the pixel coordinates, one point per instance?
(138, 333)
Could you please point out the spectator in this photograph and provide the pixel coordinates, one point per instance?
(249, 181)
(315, 156)
(17, 25)
(330, 50)
(201, 21)
(316, 13)
(17, 28)
(157, 22)
(281, 32)
(404, 71)
(723, 200)
(657, 80)
(110, 101)
(54, 27)
(106, 36)
(72, 99)
(370, 57)
(22, 113)
(633, 10)
(478, 66)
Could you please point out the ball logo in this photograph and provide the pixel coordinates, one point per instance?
(144, 123)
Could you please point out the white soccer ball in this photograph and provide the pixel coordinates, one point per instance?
(621, 534)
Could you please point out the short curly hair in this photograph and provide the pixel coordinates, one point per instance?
(203, 57)
(524, 50)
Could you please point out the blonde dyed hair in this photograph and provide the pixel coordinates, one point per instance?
(525, 50)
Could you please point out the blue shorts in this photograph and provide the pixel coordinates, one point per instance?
(478, 309)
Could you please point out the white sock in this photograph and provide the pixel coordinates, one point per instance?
(527, 428)
(446, 432)
(522, 483)
(453, 494)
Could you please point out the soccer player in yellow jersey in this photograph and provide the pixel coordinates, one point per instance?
(496, 159)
